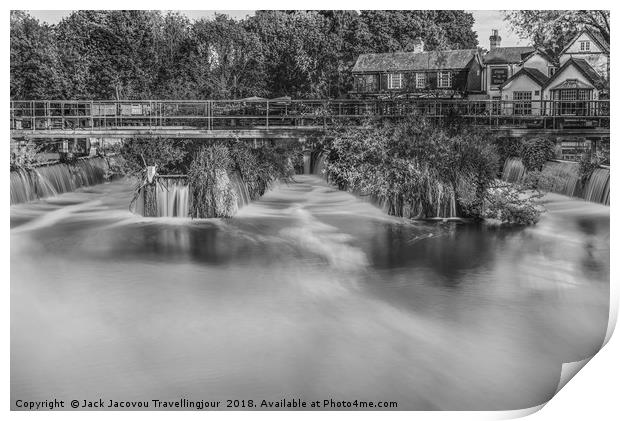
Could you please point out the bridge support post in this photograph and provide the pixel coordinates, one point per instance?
(63, 150)
(149, 192)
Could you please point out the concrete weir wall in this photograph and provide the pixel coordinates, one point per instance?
(49, 180)
(566, 179)
(171, 196)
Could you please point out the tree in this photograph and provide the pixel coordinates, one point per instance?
(110, 54)
(35, 67)
(396, 30)
(296, 47)
(174, 44)
(229, 59)
(138, 54)
(551, 30)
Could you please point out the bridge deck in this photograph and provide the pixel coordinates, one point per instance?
(283, 119)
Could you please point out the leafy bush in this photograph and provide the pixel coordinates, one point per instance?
(588, 163)
(413, 165)
(212, 193)
(260, 167)
(168, 155)
(24, 156)
(509, 147)
(536, 151)
(542, 181)
(510, 204)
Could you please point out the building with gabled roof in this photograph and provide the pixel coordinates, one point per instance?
(523, 91)
(541, 61)
(588, 45)
(575, 84)
(448, 73)
(501, 63)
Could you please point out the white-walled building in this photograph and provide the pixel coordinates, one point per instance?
(526, 88)
(574, 84)
(590, 47)
(501, 63)
(540, 61)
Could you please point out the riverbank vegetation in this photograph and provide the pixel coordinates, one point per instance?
(25, 156)
(211, 168)
(422, 170)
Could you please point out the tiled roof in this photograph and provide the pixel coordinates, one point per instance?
(542, 53)
(588, 71)
(506, 55)
(535, 74)
(407, 61)
(600, 40)
(585, 69)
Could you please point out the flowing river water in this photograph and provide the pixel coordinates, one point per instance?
(307, 293)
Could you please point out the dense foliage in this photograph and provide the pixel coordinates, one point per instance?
(536, 151)
(210, 168)
(169, 156)
(138, 54)
(551, 30)
(24, 156)
(588, 163)
(512, 204)
(415, 168)
(213, 195)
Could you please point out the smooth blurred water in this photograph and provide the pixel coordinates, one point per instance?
(308, 293)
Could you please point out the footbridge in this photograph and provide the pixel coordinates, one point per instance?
(256, 118)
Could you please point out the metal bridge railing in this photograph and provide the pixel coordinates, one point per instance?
(265, 114)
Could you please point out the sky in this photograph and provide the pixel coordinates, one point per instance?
(485, 21)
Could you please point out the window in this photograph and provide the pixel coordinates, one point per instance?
(395, 81)
(552, 71)
(573, 101)
(367, 83)
(444, 80)
(420, 80)
(523, 102)
(584, 45)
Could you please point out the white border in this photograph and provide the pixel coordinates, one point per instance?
(593, 394)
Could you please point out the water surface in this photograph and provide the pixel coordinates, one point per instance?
(308, 293)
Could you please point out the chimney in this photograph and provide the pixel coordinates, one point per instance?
(418, 45)
(495, 40)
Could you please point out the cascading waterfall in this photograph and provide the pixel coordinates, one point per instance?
(318, 163)
(50, 180)
(513, 171)
(172, 195)
(597, 187)
(174, 199)
(241, 188)
(565, 179)
(446, 203)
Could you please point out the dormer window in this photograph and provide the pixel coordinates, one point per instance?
(584, 45)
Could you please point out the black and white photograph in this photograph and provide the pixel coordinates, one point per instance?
(307, 210)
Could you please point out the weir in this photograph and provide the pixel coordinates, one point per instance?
(173, 195)
(49, 180)
(566, 179)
